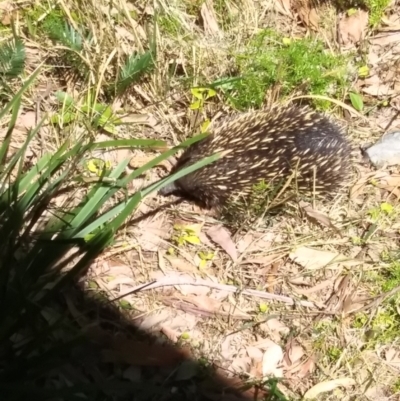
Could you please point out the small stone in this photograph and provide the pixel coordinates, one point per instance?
(386, 151)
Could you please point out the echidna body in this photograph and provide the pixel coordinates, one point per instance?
(265, 145)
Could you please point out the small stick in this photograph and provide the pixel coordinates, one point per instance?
(173, 281)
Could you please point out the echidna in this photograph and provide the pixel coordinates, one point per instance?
(265, 145)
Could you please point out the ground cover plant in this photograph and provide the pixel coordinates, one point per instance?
(109, 291)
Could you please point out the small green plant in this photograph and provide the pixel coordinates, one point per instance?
(204, 258)
(44, 20)
(185, 234)
(334, 353)
(296, 65)
(376, 9)
(97, 114)
(356, 101)
(200, 96)
(170, 25)
(383, 328)
(396, 386)
(12, 63)
(390, 275)
(384, 210)
(134, 67)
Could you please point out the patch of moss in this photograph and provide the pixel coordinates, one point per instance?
(387, 277)
(383, 328)
(52, 22)
(290, 65)
(334, 353)
(390, 275)
(321, 331)
(376, 8)
(396, 386)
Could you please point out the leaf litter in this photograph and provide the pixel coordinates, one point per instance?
(311, 265)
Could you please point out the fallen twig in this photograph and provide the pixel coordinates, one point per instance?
(173, 281)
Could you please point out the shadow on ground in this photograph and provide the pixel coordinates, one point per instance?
(78, 345)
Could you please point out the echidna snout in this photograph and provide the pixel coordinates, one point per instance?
(169, 189)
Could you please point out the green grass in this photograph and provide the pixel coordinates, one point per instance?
(376, 8)
(301, 65)
(383, 328)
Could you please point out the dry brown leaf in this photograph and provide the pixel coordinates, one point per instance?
(378, 90)
(209, 19)
(352, 28)
(183, 321)
(154, 319)
(264, 260)
(392, 357)
(284, 7)
(151, 234)
(390, 182)
(26, 120)
(272, 359)
(316, 216)
(275, 328)
(240, 365)
(6, 8)
(294, 354)
(306, 368)
(329, 385)
(204, 303)
(254, 353)
(181, 265)
(313, 18)
(314, 259)
(222, 237)
(386, 38)
(350, 304)
(244, 242)
(358, 187)
(308, 14)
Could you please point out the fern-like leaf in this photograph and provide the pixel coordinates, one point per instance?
(12, 58)
(67, 36)
(135, 66)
